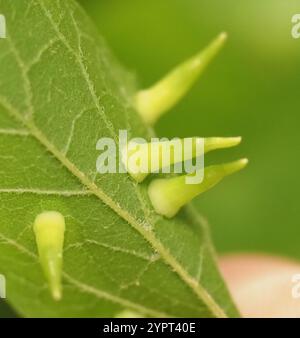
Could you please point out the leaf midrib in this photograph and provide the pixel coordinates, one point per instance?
(146, 232)
(88, 288)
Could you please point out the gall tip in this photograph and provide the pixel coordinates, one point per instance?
(235, 166)
(244, 162)
(223, 36)
(56, 293)
(47, 219)
(232, 141)
(214, 143)
(236, 140)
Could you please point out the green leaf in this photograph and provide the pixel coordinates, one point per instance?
(60, 91)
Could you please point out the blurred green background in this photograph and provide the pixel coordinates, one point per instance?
(252, 90)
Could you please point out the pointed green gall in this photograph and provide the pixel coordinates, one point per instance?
(49, 228)
(169, 195)
(153, 102)
(141, 159)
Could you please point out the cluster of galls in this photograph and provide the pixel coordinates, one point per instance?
(170, 194)
(167, 195)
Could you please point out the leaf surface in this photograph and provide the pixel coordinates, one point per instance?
(60, 91)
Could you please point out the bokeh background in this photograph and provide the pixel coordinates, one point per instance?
(252, 89)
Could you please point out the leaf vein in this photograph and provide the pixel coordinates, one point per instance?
(87, 288)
